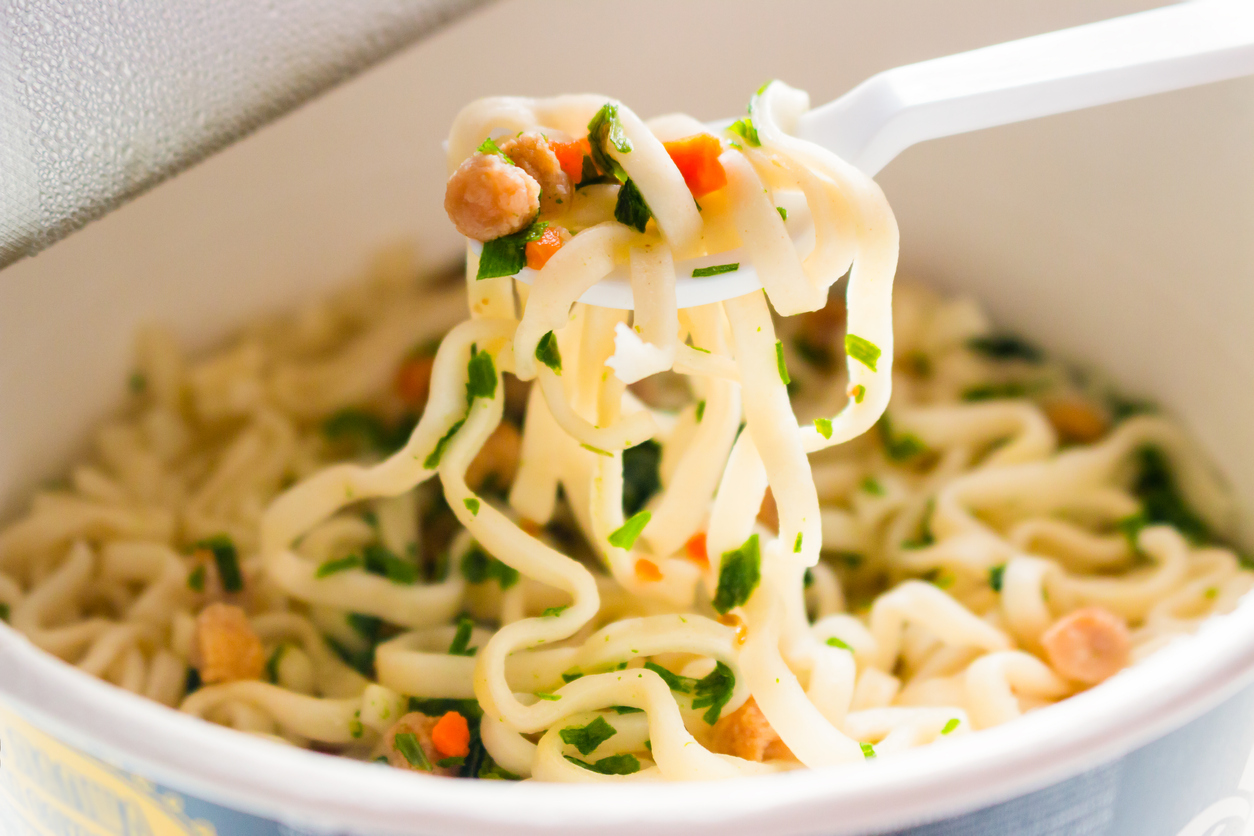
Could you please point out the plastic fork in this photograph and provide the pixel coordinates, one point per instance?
(1157, 51)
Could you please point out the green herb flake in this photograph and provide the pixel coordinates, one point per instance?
(699, 348)
(545, 695)
(953, 723)
(137, 383)
(570, 676)
(606, 130)
(472, 505)
(898, 447)
(1211, 593)
(744, 128)
(369, 627)
(554, 612)
(625, 536)
(700, 411)
(630, 209)
(461, 639)
(448, 763)
(997, 576)
(739, 574)
(272, 664)
(641, 475)
(379, 560)
(780, 364)
(824, 426)
(807, 578)
(783, 213)
(1006, 347)
(713, 691)
(796, 546)
(548, 354)
(589, 737)
(836, 642)
(490, 147)
(674, 681)
(196, 579)
(623, 764)
(626, 709)
(868, 751)
(871, 485)
(864, 351)
(1161, 499)
(998, 391)
(715, 269)
(858, 392)
(227, 560)
(433, 459)
(506, 255)
(343, 564)
(480, 376)
(355, 727)
(5, 612)
(407, 744)
(596, 450)
(479, 567)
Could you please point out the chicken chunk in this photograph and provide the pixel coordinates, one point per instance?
(487, 198)
(497, 461)
(745, 733)
(226, 648)
(402, 755)
(531, 152)
(1088, 645)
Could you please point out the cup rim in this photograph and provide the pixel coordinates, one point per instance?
(1181, 681)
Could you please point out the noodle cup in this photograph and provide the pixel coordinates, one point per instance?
(1116, 236)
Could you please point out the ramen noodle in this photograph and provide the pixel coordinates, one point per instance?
(574, 543)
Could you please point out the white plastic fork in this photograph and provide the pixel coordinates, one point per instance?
(1157, 51)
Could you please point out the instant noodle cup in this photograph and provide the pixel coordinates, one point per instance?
(1114, 237)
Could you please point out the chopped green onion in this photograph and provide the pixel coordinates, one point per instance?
(379, 560)
(553, 612)
(780, 364)
(898, 447)
(783, 213)
(996, 576)
(627, 709)
(227, 560)
(196, 579)
(407, 744)
(864, 351)
(547, 352)
(796, 547)
(5, 611)
(951, 725)
(272, 664)
(745, 129)
(461, 639)
(836, 642)
(480, 376)
(858, 392)
(596, 450)
(868, 751)
(738, 576)
(448, 763)
(716, 269)
(506, 255)
(137, 383)
(824, 426)
(625, 536)
(872, 486)
(544, 695)
(479, 567)
(569, 676)
(589, 737)
(605, 130)
(433, 458)
(472, 505)
(1006, 347)
(623, 764)
(630, 209)
(330, 567)
(490, 147)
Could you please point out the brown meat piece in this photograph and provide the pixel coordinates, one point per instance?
(531, 153)
(497, 461)
(1076, 420)
(487, 198)
(226, 648)
(745, 733)
(420, 726)
(1087, 645)
(768, 511)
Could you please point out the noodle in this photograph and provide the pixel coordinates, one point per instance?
(605, 539)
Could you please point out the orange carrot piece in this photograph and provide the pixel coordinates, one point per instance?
(451, 736)
(543, 248)
(695, 549)
(646, 570)
(570, 156)
(696, 157)
(413, 380)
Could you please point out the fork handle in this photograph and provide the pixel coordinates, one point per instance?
(1165, 49)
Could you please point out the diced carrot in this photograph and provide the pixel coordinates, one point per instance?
(696, 157)
(413, 380)
(646, 570)
(570, 156)
(451, 736)
(543, 248)
(695, 549)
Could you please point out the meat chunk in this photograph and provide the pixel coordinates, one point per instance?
(497, 461)
(1087, 645)
(226, 648)
(745, 733)
(531, 152)
(1076, 420)
(402, 755)
(487, 198)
